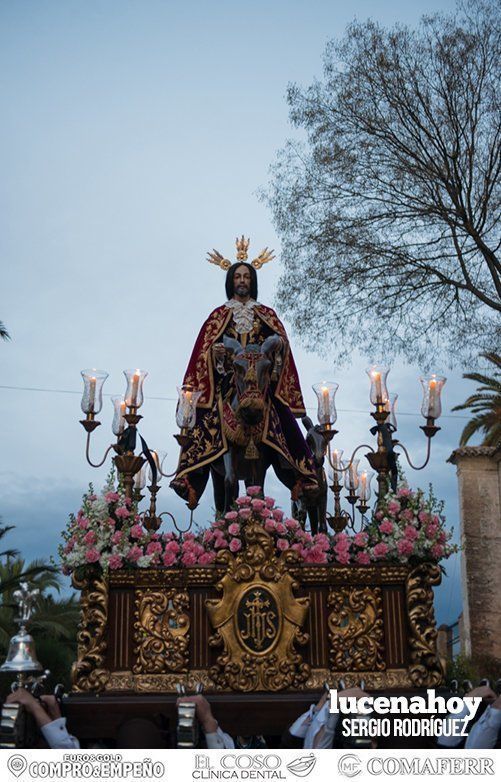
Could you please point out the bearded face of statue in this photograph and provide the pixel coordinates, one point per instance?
(242, 283)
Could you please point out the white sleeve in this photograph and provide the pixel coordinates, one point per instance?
(484, 733)
(451, 741)
(320, 733)
(301, 725)
(219, 740)
(57, 737)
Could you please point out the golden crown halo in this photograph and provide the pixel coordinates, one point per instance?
(242, 245)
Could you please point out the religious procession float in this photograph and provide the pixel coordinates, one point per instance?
(262, 605)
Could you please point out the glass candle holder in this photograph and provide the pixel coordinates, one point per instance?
(377, 376)
(336, 464)
(119, 410)
(186, 410)
(364, 485)
(140, 477)
(326, 393)
(158, 458)
(134, 391)
(92, 398)
(391, 408)
(432, 390)
(351, 476)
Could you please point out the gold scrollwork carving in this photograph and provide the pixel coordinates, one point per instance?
(356, 628)
(258, 619)
(425, 669)
(88, 673)
(374, 680)
(161, 631)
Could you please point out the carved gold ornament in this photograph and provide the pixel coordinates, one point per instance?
(161, 631)
(425, 669)
(258, 619)
(242, 245)
(355, 626)
(88, 672)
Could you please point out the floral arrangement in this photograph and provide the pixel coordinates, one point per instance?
(107, 533)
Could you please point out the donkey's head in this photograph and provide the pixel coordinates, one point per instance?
(252, 366)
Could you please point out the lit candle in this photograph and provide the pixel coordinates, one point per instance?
(134, 389)
(92, 394)
(363, 486)
(432, 399)
(326, 405)
(377, 380)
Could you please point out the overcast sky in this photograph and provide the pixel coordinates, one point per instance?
(134, 138)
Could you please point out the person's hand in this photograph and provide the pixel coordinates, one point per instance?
(203, 711)
(218, 352)
(51, 706)
(484, 692)
(31, 704)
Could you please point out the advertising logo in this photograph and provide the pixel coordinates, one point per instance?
(17, 764)
(349, 765)
(302, 766)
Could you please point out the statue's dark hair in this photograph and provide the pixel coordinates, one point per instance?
(230, 287)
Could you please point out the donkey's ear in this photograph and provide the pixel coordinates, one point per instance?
(270, 344)
(307, 422)
(232, 345)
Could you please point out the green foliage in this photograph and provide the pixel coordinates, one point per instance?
(473, 668)
(485, 405)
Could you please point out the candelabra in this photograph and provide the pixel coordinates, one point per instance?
(382, 458)
(134, 468)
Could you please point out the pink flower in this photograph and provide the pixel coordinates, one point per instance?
(173, 546)
(342, 542)
(117, 537)
(266, 513)
(111, 496)
(297, 547)
(83, 522)
(407, 515)
(168, 536)
(92, 555)
(278, 514)
(404, 492)
(270, 525)
(280, 528)
(254, 491)
(315, 554)
(282, 544)
(135, 553)
(154, 547)
(291, 524)
(437, 551)
(189, 559)
(90, 538)
(207, 558)
(221, 543)
(208, 536)
(343, 557)
(269, 501)
(410, 532)
(386, 527)
(187, 545)
(393, 507)
(423, 517)
(234, 529)
(442, 537)
(92, 497)
(231, 515)
(189, 536)
(235, 545)
(379, 514)
(122, 513)
(380, 550)
(115, 562)
(242, 501)
(431, 531)
(258, 504)
(136, 531)
(169, 558)
(360, 540)
(405, 547)
(322, 541)
(363, 558)
(244, 514)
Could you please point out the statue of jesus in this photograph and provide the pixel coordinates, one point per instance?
(231, 353)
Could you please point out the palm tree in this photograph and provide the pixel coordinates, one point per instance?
(4, 334)
(485, 403)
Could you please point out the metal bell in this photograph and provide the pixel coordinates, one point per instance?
(21, 657)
